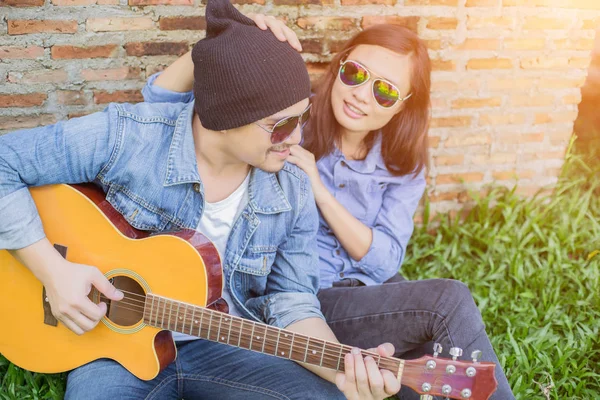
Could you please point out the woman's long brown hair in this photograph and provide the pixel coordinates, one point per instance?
(404, 139)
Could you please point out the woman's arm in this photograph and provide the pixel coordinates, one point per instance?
(179, 76)
(378, 251)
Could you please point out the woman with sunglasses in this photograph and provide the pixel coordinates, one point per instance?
(365, 152)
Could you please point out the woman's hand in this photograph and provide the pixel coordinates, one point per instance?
(363, 380)
(278, 27)
(306, 161)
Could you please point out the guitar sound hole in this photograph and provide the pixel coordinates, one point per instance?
(130, 310)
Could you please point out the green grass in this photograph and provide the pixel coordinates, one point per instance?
(533, 267)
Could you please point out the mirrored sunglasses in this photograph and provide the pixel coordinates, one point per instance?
(385, 93)
(284, 128)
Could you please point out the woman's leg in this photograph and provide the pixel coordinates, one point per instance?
(410, 314)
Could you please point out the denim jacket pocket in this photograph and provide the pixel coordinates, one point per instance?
(257, 260)
(137, 215)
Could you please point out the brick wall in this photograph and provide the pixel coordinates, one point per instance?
(506, 82)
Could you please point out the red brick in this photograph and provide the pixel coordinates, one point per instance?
(326, 23)
(478, 102)
(575, 44)
(407, 22)
(489, 63)
(580, 4)
(71, 97)
(114, 74)
(483, 3)
(71, 52)
(461, 196)
(442, 65)
(312, 45)
(161, 2)
(563, 116)
(572, 99)
(260, 2)
(494, 158)
(139, 49)
(431, 3)
(591, 23)
(557, 83)
(459, 139)
(366, 2)
(26, 121)
(532, 100)
(474, 22)
(524, 3)
(22, 26)
(583, 62)
(433, 44)
(514, 84)
(442, 23)
(479, 44)
(21, 3)
(40, 76)
(525, 44)
(520, 138)
(434, 141)
(450, 121)
(301, 2)
(73, 2)
(21, 52)
(182, 23)
(459, 178)
(544, 63)
(546, 23)
(119, 96)
(118, 24)
(504, 175)
(450, 160)
(22, 100)
(501, 119)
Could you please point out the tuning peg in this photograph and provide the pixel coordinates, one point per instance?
(476, 355)
(437, 349)
(455, 352)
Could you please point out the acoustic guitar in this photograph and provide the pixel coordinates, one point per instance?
(172, 282)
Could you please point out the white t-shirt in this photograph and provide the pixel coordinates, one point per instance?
(216, 224)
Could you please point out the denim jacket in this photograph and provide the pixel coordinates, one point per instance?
(380, 200)
(144, 159)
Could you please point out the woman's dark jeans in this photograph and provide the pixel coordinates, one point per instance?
(411, 315)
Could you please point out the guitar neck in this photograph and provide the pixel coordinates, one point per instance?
(215, 326)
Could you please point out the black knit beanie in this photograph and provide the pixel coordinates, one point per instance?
(242, 73)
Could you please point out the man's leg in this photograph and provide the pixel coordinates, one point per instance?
(106, 379)
(409, 314)
(217, 371)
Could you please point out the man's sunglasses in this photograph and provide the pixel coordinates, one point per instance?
(284, 128)
(385, 93)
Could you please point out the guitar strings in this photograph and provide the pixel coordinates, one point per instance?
(328, 354)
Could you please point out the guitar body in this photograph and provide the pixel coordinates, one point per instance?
(79, 222)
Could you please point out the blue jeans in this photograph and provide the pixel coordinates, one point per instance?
(203, 370)
(411, 315)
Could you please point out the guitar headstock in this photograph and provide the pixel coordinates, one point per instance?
(451, 378)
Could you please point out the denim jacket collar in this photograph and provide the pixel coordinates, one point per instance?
(181, 162)
(265, 193)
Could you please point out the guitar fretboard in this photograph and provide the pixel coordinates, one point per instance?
(215, 326)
